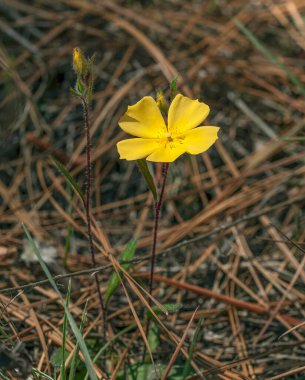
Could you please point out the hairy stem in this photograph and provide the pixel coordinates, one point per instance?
(156, 226)
(87, 208)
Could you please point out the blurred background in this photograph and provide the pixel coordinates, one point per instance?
(238, 209)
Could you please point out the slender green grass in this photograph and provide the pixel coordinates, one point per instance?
(73, 366)
(77, 333)
(187, 370)
(38, 375)
(267, 53)
(63, 374)
(69, 228)
(3, 376)
(110, 343)
(5, 336)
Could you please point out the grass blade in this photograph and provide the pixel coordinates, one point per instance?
(187, 366)
(79, 338)
(4, 377)
(110, 343)
(75, 354)
(41, 374)
(267, 53)
(63, 375)
(69, 228)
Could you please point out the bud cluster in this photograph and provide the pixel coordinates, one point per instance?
(84, 75)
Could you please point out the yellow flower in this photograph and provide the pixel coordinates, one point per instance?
(160, 143)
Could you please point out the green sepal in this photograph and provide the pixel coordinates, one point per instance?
(80, 87)
(74, 92)
(90, 78)
(163, 106)
(148, 178)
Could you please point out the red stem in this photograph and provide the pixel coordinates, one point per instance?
(158, 205)
(156, 226)
(87, 208)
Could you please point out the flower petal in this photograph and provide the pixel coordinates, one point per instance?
(185, 114)
(200, 139)
(169, 152)
(144, 119)
(135, 149)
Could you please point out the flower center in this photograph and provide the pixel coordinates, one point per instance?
(169, 137)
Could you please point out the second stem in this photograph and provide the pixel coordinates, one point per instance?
(158, 205)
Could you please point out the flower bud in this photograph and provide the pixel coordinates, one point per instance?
(161, 102)
(79, 63)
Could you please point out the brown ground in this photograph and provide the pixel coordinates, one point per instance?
(238, 210)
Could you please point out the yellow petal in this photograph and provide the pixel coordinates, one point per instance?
(200, 139)
(135, 149)
(144, 119)
(169, 152)
(185, 114)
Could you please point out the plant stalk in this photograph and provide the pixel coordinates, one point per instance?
(88, 211)
(158, 206)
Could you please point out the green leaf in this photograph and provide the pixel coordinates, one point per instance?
(148, 178)
(57, 357)
(169, 307)
(267, 53)
(78, 335)
(153, 337)
(187, 370)
(71, 181)
(139, 371)
(153, 342)
(126, 255)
